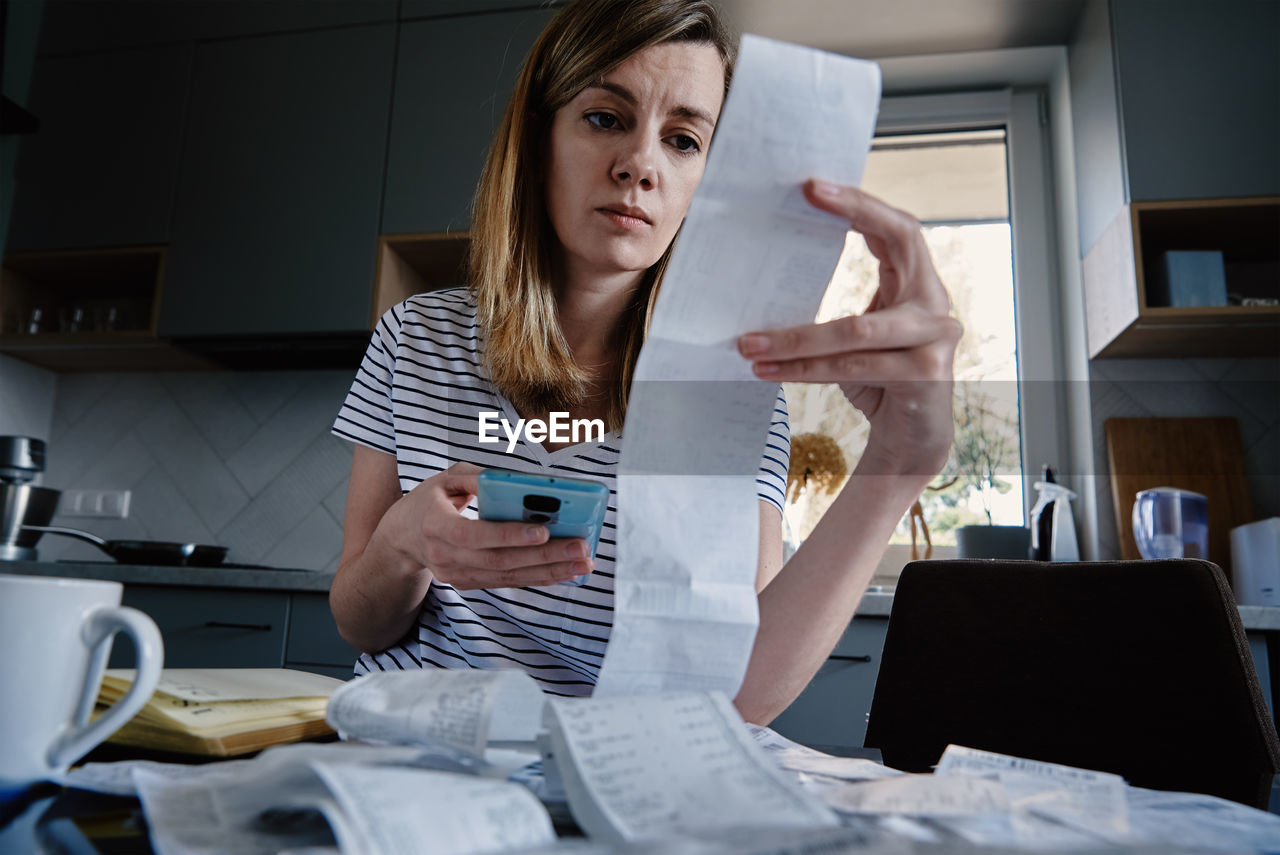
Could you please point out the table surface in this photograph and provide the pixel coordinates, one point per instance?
(54, 820)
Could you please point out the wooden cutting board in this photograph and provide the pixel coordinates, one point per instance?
(1201, 455)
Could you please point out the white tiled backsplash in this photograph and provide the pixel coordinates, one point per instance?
(246, 459)
(26, 398)
(243, 460)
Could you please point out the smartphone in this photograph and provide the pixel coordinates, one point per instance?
(568, 507)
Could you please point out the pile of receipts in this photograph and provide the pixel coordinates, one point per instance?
(458, 762)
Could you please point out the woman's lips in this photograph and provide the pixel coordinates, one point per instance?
(624, 220)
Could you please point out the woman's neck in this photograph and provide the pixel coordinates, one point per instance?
(589, 309)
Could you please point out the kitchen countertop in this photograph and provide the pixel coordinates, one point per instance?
(1260, 617)
(875, 603)
(203, 577)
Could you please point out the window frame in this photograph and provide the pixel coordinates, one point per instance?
(1022, 112)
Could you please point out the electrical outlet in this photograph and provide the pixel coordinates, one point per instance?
(98, 504)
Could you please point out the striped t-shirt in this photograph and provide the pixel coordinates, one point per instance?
(418, 396)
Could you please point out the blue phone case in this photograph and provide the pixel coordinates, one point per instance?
(568, 507)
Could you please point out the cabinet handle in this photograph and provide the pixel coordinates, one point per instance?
(853, 658)
(253, 627)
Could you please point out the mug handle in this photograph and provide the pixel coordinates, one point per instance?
(96, 631)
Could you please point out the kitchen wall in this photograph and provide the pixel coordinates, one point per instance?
(1247, 390)
(239, 459)
(26, 399)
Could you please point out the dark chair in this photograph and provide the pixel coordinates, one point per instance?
(1134, 667)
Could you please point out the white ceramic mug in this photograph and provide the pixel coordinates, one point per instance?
(55, 635)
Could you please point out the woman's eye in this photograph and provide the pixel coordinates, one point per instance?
(685, 143)
(604, 121)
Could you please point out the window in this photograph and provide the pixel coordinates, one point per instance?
(950, 161)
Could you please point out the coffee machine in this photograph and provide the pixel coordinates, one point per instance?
(21, 502)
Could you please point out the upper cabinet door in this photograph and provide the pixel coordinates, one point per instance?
(276, 220)
(453, 79)
(101, 170)
(434, 8)
(1199, 91)
(77, 26)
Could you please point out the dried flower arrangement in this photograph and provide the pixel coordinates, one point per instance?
(815, 459)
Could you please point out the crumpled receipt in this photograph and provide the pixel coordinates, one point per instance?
(461, 710)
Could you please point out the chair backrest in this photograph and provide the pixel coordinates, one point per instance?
(1135, 667)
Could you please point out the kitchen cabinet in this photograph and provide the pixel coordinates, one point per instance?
(275, 224)
(1172, 100)
(77, 27)
(1176, 121)
(102, 169)
(314, 643)
(831, 713)
(241, 628)
(256, 159)
(1199, 93)
(212, 627)
(453, 78)
(410, 9)
(1124, 280)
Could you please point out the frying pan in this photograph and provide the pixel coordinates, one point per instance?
(144, 551)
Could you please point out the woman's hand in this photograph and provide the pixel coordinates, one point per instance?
(426, 526)
(893, 362)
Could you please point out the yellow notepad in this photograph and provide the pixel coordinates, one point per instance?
(223, 711)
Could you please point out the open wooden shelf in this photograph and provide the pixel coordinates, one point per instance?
(86, 310)
(80, 291)
(1122, 277)
(412, 264)
(117, 295)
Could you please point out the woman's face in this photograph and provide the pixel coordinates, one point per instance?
(626, 154)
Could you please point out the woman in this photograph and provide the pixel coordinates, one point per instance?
(591, 173)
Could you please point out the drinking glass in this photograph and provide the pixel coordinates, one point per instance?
(1169, 522)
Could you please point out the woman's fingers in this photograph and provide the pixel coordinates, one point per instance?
(459, 532)
(512, 567)
(906, 334)
(894, 238)
(460, 479)
(468, 553)
(884, 329)
(891, 228)
(873, 368)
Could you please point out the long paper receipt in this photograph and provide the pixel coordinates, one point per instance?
(753, 254)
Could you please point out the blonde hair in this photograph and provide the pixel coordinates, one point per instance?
(512, 239)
